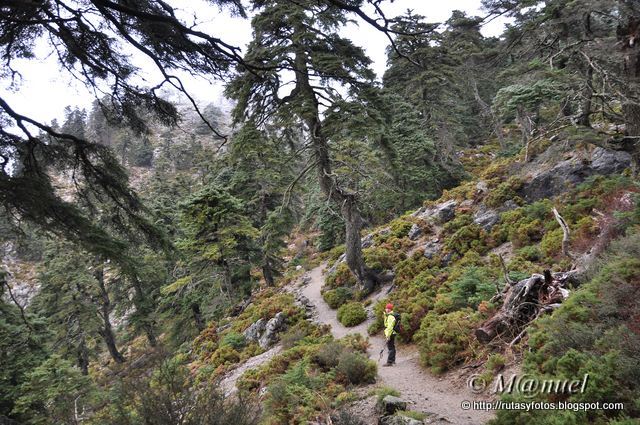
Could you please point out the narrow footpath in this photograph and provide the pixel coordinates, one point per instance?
(424, 391)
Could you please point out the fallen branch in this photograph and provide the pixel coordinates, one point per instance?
(565, 234)
(523, 303)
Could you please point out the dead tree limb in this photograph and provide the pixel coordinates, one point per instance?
(523, 303)
(565, 232)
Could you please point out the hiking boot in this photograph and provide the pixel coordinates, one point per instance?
(388, 364)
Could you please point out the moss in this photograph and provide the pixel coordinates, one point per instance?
(352, 314)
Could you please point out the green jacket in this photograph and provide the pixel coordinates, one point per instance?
(389, 324)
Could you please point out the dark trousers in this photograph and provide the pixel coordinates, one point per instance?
(391, 347)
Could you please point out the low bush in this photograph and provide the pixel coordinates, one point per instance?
(352, 314)
(595, 332)
(341, 277)
(475, 285)
(328, 355)
(356, 368)
(336, 297)
(236, 340)
(444, 340)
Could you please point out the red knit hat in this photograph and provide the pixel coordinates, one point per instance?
(389, 306)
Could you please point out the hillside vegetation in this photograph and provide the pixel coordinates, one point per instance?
(155, 250)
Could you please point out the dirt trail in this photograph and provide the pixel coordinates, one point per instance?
(228, 383)
(425, 392)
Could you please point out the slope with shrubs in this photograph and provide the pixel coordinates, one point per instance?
(444, 296)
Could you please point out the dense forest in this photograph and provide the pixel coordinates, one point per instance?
(161, 255)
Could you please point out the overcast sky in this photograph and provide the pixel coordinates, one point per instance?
(45, 89)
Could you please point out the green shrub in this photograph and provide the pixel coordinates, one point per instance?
(418, 416)
(352, 314)
(466, 238)
(495, 362)
(400, 227)
(551, 244)
(336, 297)
(328, 355)
(235, 340)
(341, 277)
(596, 331)
(384, 391)
(444, 340)
(355, 342)
(504, 192)
(356, 368)
(225, 355)
(380, 258)
(475, 285)
(529, 253)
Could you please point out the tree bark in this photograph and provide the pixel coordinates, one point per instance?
(105, 309)
(197, 316)
(140, 303)
(83, 356)
(587, 94)
(346, 200)
(631, 113)
(523, 303)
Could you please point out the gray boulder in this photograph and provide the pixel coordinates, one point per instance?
(446, 259)
(391, 404)
(486, 218)
(432, 249)
(273, 327)
(253, 332)
(446, 211)
(415, 232)
(367, 241)
(549, 182)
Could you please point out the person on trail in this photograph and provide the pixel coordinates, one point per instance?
(390, 331)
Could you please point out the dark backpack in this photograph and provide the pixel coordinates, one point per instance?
(397, 327)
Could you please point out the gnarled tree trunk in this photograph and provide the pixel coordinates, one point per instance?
(345, 199)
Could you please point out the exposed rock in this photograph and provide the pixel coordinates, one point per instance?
(415, 232)
(446, 259)
(446, 211)
(486, 218)
(253, 332)
(340, 259)
(441, 213)
(367, 241)
(605, 161)
(508, 205)
(482, 188)
(548, 182)
(431, 249)
(398, 420)
(391, 404)
(273, 327)
(306, 279)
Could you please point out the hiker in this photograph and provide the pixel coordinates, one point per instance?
(391, 324)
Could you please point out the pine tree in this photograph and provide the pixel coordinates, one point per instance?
(303, 38)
